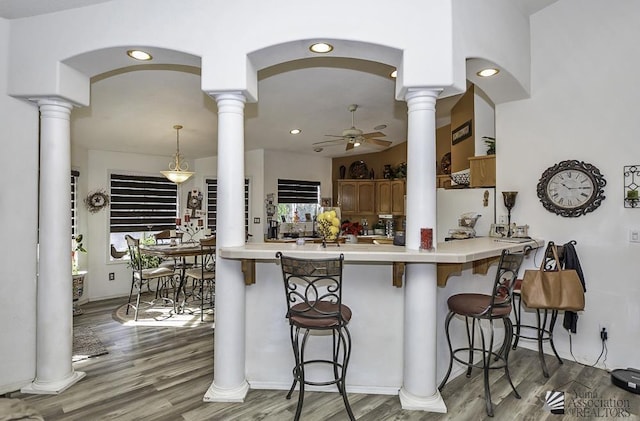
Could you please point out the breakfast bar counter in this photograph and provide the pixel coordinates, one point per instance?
(394, 295)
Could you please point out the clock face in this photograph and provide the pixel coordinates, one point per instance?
(571, 188)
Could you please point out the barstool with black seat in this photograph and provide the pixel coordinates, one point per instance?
(476, 307)
(313, 290)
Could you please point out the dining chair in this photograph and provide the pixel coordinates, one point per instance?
(204, 274)
(141, 276)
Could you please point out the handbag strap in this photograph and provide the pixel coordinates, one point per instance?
(554, 250)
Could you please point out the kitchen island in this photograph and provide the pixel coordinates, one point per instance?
(385, 328)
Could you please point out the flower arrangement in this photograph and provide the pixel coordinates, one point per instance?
(328, 225)
(351, 228)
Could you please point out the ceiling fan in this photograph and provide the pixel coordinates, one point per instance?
(354, 137)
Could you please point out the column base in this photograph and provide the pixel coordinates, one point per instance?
(53, 388)
(217, 394)
(411, 402)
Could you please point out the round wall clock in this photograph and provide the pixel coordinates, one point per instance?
(95, 201)
(571, 188)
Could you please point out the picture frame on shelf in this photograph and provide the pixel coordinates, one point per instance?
(461, 132)
(326, 202)
(498, 230)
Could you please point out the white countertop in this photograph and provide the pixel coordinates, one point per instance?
(459, 251)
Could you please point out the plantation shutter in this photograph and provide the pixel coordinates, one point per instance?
(142, 203)
(298, 191)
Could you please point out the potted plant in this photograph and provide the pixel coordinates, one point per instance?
(76, 247)
(491, 144)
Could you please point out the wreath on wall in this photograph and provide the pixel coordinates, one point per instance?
(96, 200)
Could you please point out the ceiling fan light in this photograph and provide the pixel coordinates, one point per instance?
(356, 143)
(321, 47)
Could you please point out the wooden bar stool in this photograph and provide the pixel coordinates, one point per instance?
(313, 291)
(488, 307)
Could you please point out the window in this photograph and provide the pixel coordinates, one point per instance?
(74, 203)
(212, 204)
(298, 199)
(140, 204)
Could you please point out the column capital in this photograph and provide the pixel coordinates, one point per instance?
(54, 108)
(422, 98)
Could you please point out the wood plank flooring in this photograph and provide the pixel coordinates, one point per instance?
(163, 373)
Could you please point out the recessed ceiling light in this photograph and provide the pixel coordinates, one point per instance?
(488, 72)
(317, 149)
(295, 131)
(380, 127)
(321, 47)
(139, 55)
(394, 74)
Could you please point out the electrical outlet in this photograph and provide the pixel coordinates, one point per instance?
(603, 332)
(634, 236)
(112, 276)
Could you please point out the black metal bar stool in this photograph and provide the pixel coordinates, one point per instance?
(541, 332)
(313, 290)
(477, 307)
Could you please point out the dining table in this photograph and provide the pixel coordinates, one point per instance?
(179, 252)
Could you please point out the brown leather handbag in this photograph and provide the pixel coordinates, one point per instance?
(553, 289)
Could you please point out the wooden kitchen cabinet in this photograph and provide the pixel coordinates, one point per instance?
(356, 197)
(482, 171)
(390, 197)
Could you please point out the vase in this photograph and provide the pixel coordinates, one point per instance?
(343, 171)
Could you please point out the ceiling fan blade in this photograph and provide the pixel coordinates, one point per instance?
(329, 142)
(373, 134)
(349, 146)
(333, 135)
(378, 142)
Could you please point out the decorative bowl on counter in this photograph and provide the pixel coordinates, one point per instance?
(461, 177)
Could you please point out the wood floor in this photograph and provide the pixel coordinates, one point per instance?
(162, 374)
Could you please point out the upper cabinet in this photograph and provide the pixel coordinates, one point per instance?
(356, 197)
(390, 197)
(371, 197)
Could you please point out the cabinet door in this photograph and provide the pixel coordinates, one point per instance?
(383, 197)
(366, 197)
(348, 197)
(397, 191)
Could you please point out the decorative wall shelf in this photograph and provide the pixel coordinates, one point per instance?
(631, 186)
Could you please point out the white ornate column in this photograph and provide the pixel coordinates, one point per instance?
(419, 390)
(229, 382)
(54, 320)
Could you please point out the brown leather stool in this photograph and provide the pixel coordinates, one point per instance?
(477, 307)
(313, 290)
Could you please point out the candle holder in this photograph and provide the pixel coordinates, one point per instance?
(509, 202)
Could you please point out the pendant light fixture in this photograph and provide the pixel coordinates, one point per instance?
(178, 168)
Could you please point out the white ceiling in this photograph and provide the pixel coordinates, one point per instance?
(134, 110)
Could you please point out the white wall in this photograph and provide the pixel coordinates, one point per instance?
(19, 213)
(584, 106)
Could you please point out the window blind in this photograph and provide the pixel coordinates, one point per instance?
(298, 191)
(142, 203)
(212, 204)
